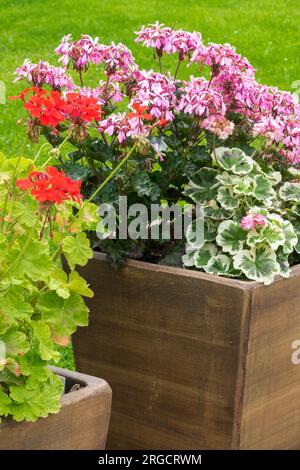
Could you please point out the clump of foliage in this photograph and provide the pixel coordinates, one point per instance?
(41, 218)
(251, 218)
(174, 130)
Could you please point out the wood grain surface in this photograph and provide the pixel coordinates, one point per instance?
(194, 361)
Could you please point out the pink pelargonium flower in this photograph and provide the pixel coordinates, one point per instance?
(80, 52)
(104, 93)
(270, 128)
(183, 43)
(117, 57)
(154, 35)
(222, 56)
(122, 127)
(43, 73)
(218, 125)
(201, 99)
(157, 92)
(251, 221)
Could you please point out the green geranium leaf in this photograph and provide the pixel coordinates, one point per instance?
(202, 257)
(5, 402)
(13, 308)
(296, 209)
(63, 286)
(290, 192)
(77, 250)
(234, 160)
(79, 285)
(258, 264)
(296, 226)
(35, 262)
(15, 342)
(63, 315)
(59, 283)
(203, 185)
(43, 334)
(29, 405)
(89, 217)
(231, 237)
(31, 365)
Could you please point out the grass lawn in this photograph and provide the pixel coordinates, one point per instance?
(267, 32)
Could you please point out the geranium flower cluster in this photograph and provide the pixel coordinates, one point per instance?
(86, 50)
(252, 221)
(164, 39)
(50, 108)
(201, 100)
(125, 126)
(51, 186)
(43, 73)
(157, 91)
(228, 104)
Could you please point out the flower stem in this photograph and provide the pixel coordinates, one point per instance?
(110, 176)
(177, 68)
(8, 193)
(80, 78)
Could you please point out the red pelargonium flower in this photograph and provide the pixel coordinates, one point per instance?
(82, 108)
(140, 112)
(51, 186)
(47, 107)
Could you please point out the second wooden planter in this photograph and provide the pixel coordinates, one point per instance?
(81, 423)
(194, 361)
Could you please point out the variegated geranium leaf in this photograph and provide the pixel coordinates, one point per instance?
(195, 233)
(290, 192)
(243, 185)
(203, 185)
(202, 256)
(259, 264)
(234, 160)
(231, 237)
(269, 235)
(283, 260)
(290, 237)
(221, 265)
(215, 212)
(188, 257)
(262, 189)
(227, 198)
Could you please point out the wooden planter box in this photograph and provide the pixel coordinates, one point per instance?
(82, 422)
(194, 361)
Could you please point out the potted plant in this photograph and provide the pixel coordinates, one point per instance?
(198, 357)
(42, 216)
